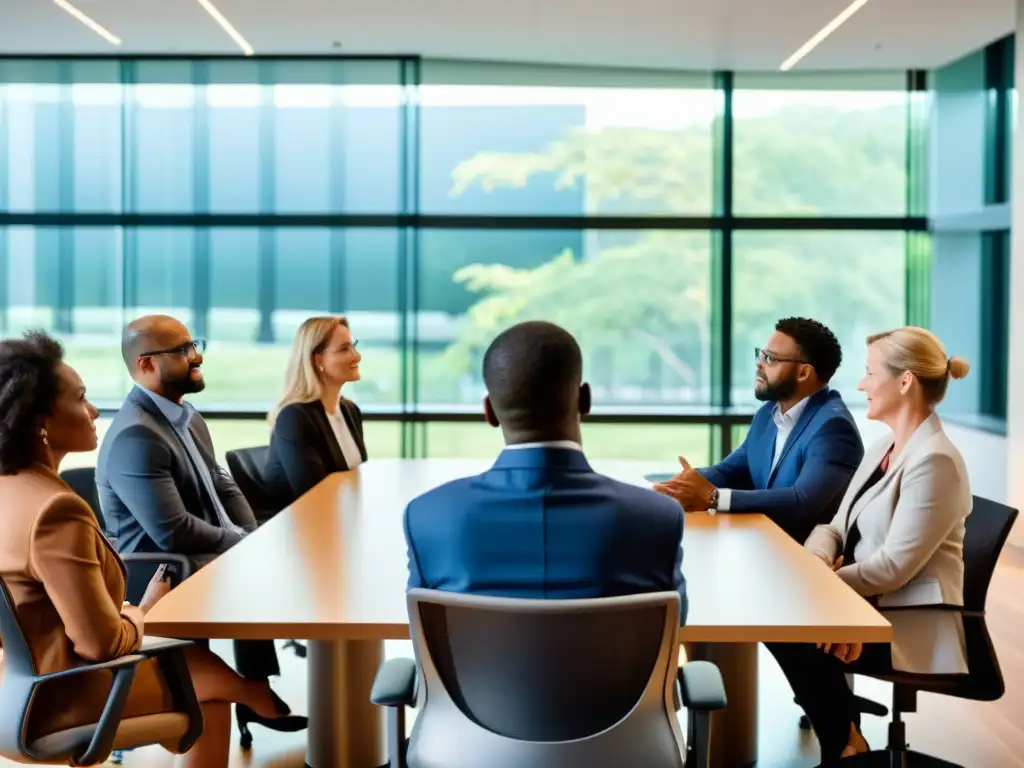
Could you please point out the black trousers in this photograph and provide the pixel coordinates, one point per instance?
(254, 659)
(819, 683)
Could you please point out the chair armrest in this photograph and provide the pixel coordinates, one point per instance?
(132, 660)
(181, 562)
(153, 646)
(395, 684)
(702, 687)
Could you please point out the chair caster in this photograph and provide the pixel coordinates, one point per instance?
(805, 723)
(117, 757)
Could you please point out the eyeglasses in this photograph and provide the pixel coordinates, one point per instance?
(343, 349)
(764, 357)
(189, 348)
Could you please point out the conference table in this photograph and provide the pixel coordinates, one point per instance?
(331, 569)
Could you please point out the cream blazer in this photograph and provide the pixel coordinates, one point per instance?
(911, 551)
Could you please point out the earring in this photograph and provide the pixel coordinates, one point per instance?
(44, 436)
(321, 369)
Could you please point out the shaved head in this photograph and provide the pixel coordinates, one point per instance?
(162, 356)
(533, 372)
(150, 333)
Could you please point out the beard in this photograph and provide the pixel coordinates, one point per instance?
(772, 392)
(183, 385)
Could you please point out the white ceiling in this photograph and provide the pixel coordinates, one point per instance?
(687, 34)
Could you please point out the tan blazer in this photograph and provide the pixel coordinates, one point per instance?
(68, 586)
(911, 551)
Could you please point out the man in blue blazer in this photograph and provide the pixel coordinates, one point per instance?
(803, 445)
(541, 523)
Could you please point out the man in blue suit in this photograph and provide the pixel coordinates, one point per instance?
(541, 523)
(803, 445)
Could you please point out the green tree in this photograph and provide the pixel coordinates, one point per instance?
(648, 296)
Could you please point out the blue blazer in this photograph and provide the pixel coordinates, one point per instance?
(805, 488)
(542, 524)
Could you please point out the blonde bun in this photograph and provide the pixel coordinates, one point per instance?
(958, 367)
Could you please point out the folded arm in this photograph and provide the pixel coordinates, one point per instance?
(140, 474)
(931, 504)
(66, 545)
(833, 455)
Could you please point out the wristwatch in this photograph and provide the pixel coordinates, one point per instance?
(713, 502)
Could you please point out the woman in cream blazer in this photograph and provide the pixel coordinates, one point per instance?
(67, 582)
(897, 539)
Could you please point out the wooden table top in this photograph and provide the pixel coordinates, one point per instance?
(333, 566)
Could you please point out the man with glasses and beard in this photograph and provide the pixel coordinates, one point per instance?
(160, 487)
(803, 445)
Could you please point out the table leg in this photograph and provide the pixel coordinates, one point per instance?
(345, 729)
(734, 729)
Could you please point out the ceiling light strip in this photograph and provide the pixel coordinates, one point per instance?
(233, 33)
(827, 30)
(106, 34)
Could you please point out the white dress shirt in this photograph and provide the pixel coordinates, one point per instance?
(784, 423)
(347, 443)
(569, 445)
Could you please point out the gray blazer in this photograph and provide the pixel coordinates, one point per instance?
(911, 551)
(151, 497)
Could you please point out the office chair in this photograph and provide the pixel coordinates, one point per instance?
(546, 683)
(141, 565)
(91, 744)
(987, 528)
(246, 467)
(83, 482)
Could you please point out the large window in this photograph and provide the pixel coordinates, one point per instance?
(666, 219)
(638, 302)
(507, 140)
(853, 282)
(200, 136)
(809, 145)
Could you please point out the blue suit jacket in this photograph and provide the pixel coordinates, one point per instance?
(805, 488)
(542, 524)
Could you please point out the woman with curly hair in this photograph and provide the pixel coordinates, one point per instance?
(67, 582)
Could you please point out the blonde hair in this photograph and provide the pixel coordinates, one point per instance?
(920, 352)
(302, 382)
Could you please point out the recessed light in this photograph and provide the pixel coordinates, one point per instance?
(226, 25)
(825, 31)
(95, 26)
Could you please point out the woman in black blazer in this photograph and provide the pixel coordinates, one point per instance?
(316, 431)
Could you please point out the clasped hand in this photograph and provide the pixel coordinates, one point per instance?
(690, 488)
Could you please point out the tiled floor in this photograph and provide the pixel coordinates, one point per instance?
(975, 735)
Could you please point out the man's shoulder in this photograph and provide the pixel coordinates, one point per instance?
(638, 498)
(443, 493)
(835, 413)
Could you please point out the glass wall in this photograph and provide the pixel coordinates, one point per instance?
(666, 219)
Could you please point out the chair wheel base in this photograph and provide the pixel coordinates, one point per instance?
(883, 758)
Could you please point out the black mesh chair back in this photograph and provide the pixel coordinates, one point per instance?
(546, 682)
(988, 527)
(246, 467)
(82, 481)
